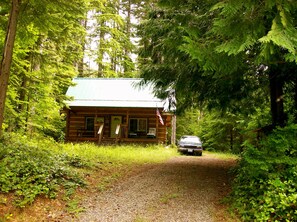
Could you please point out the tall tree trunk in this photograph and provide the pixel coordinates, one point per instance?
(128, 19)
(231, 138)
(101, 50)
(80, 64)
(128, 30)
(295, 98)
(7, 56)
(276, 96)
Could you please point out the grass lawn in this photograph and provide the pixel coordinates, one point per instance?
(222, 155)
(120, 154)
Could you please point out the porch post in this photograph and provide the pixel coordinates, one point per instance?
(157, 127)
(173, 130)
(127, 124)
(67, 123)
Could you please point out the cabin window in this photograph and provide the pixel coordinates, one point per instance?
(137, 125)
(90, 123)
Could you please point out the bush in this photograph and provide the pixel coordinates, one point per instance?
(28, 169)
(266, 182)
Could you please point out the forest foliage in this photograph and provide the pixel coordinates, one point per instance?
(57, 41)
(265, 186)
(32, 167)
(231, 63)
(233, 66)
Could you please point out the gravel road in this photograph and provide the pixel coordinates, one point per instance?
(185, 189)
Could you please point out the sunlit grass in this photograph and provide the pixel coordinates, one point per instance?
(221, 155)
(121, 154)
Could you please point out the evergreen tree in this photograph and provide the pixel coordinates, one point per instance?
(267, 42)
(197, 47)
(111, 31)
(45, 51)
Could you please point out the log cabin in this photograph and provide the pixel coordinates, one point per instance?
(108, 110)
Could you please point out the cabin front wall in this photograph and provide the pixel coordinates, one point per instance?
(129, 125)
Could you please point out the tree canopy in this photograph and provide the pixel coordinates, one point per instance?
(53, 40)
(45, 51)
(227, 55)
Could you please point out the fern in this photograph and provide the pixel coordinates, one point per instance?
(230, 8)
(281, 37)
(236, 45)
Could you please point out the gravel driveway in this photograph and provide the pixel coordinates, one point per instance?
(185, 188)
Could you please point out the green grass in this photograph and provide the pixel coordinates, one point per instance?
(167, 197)
(221, 155)
(38, 166)
(119, 154)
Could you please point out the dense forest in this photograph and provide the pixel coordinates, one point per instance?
(233, 65)
(55, 41)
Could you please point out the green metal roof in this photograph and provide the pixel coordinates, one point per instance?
(112, 92)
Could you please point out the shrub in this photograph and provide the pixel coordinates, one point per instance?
(266, 182)
(29, 170)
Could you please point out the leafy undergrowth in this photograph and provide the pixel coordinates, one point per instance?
(265, 187)
(44, 180)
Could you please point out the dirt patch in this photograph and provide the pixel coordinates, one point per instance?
(184, 188)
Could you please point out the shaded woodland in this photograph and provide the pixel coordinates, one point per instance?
(232, 65)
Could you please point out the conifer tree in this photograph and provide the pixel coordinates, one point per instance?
(111, 34)
(225, 54)
(45, 51)
(268, 35)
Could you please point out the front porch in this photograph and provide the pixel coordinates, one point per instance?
(116, 125)
(122, 135)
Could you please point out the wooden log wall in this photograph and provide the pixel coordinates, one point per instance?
(76, 120)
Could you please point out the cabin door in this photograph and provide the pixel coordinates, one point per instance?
(115, 120)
